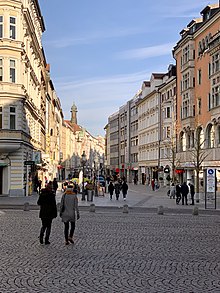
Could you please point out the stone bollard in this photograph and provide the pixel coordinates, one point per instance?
(195, 211)
(125, 209)
(92, 208)
(26, 206)
(160, 210)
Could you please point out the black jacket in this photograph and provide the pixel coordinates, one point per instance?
(184, 189)
(47, 203)
(124, 188)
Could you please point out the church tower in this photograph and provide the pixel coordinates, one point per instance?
(74, 114)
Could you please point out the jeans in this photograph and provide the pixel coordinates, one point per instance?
(66, 229)
(46, 226)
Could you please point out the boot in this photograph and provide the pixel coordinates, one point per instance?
(41, 236)
(47, 236)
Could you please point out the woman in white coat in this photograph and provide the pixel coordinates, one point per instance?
(69, 212)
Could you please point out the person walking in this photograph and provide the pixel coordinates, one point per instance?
(153, 184)
(111, 189)
(172, 191)
(124, 189)
(48, 211)
(69, 212)
(184, 191)
(178, 193)
(192, 192)
(117, 190)
(55, 185)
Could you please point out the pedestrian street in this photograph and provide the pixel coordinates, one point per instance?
(113, 252)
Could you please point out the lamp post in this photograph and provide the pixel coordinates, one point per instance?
(83, 165)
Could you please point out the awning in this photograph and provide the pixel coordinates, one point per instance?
(3, 165)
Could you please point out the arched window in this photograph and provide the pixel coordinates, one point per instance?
(199, 138)
(218, 134)
(188, 136)
(182, 141)
(210, 136)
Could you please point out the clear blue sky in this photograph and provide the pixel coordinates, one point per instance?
(101, 51)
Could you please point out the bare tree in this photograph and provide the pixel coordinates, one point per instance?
(171, 156)
(198, 155)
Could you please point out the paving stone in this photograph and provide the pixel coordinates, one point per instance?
(113, 252)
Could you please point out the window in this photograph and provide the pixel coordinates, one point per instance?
(186, 54)
(168, 132)
(199, 106)
(210, 136)
(199, 76)
(168, 112)
(185, 109)
(215, 63)
(182, 141)
(12, 117)
(12, 71)
(0, 117)
(1, 70)
(218, 134)
(215, 99)
(1, 26)
(12, 27)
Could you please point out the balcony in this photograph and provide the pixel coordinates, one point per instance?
(11, 140)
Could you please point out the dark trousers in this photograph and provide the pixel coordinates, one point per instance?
(184, 196)
(178, 198)
(46, 226)
(111, 193)
(192, 198)
(66, 229)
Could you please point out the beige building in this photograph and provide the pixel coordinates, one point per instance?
(35, 141)
(22, 94)
(148, 128)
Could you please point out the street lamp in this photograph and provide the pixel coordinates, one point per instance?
(83, 165)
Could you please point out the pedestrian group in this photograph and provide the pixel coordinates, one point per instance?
(69, 211)
(180, 192)
(118, 186)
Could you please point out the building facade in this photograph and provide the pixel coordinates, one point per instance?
(35, 141)
(197, 57)
(22, 95)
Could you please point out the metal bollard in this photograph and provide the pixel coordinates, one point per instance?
(26, 206)
(125, 209)
(195, 211)
(160, 210)
(92, 208)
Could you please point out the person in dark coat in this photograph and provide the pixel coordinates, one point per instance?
(184, 191)
(192, 192)
(178, 193)
(48, 211)
(117, 189)
(69, 212)
(111, 189)
(55, 185)
(124, 189)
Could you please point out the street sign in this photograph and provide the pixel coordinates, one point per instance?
(30, 163)
(210, 180)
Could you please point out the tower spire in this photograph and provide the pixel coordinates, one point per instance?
(74, 113)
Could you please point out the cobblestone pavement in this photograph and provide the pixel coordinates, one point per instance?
(113, 252)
